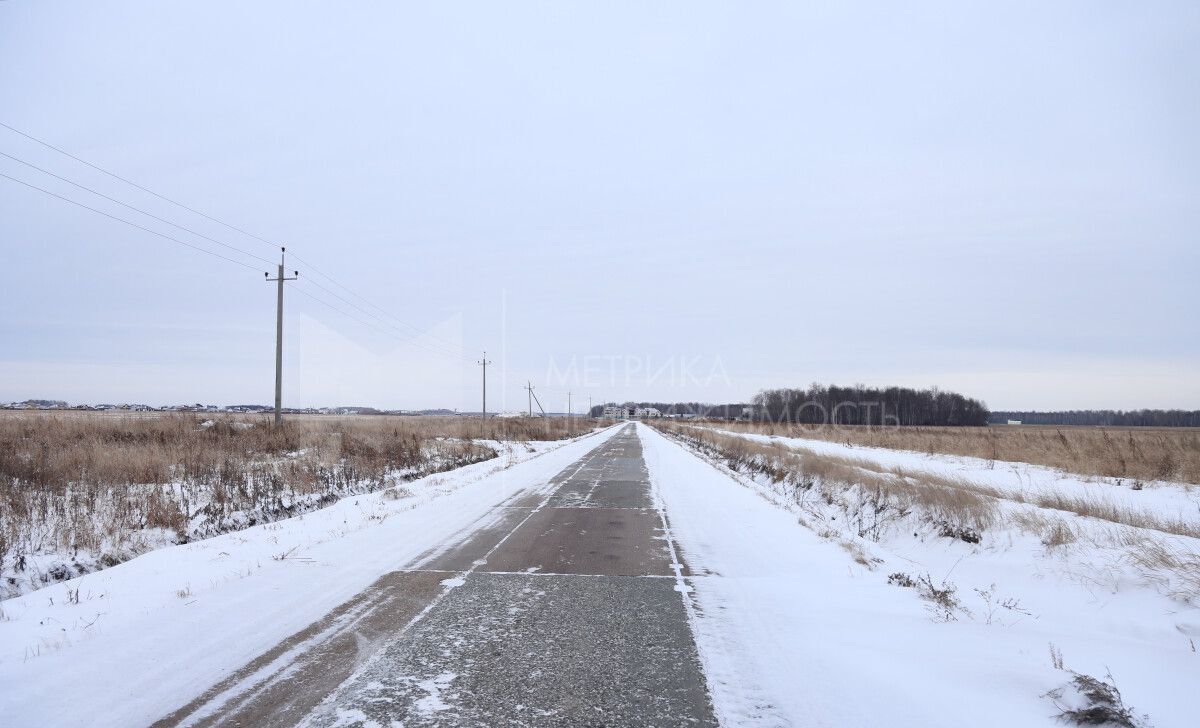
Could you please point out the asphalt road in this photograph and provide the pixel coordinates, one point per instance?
(562, 611)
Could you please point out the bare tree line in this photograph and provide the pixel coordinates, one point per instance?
(861, 405)
(834, 405)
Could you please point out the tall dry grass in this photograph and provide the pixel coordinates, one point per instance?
(955, 500)
(872, 501)
(103, 488)
(1136, 453)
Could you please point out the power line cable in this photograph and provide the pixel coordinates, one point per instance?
(404, 337)
(449, 351)
(201, 235)
(135, 184)
(131, 224)
(400, 335)
(206, 216)
(138, 210)
(334, 307)
(101, 212)
(420, 344)
(416, 329)
(368, 324)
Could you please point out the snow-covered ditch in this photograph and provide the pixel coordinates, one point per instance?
(125, 645)
(802, 620)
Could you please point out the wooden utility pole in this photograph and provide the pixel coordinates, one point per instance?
(279, 335)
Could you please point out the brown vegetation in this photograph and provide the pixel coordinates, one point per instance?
(1087, 700)
(961, 506)
(102, 485)
(1134, 453)
(871, 498)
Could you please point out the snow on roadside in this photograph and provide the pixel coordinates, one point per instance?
(44, 560)
(793, 631)
(1167, 499)
(126, 645)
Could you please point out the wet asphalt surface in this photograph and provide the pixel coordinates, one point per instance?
(563, 610)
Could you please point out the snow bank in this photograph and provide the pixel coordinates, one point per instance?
(793, 631)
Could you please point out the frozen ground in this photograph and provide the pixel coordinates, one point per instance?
(794, 630)
(125, 645)
(794, 624)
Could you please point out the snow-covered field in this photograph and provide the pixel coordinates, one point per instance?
(802, 626)
(125, 645)
(1022, 481)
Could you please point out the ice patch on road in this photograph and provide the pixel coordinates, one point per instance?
(353, 718)
(432, 702)
(454, 581)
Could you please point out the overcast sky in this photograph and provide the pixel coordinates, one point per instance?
(653, 201)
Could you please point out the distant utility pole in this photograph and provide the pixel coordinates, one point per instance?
(533, 398)
(570, 414)
(589, 405)
(279, 336)
(483, 420)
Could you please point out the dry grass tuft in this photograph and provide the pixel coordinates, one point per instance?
(1177, 568)
(1087, 700)
(1053, 530)
(944, 604)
